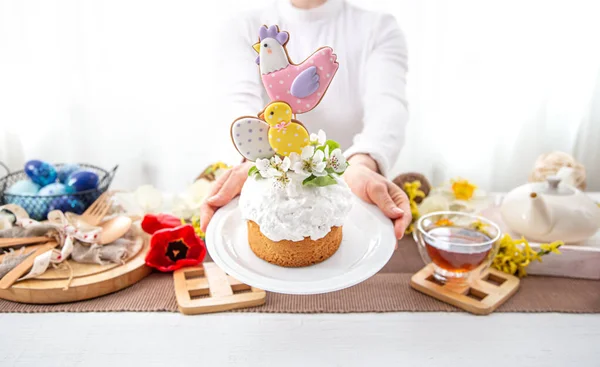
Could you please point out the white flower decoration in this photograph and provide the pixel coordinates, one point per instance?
(264, 168)
(281, 181)
(285, 165)
(336, 160)
(275, 167)
(318, 139)
(310, 162)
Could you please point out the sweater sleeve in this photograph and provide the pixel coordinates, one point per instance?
(240, 88)
(384, 99)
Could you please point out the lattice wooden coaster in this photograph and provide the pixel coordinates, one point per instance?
(207, 288)
(481, 295)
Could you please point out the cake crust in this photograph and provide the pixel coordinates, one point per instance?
(293, 254)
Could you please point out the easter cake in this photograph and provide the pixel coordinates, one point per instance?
(294, 201)
(295, 207)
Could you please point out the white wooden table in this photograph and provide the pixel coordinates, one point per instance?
(229, 339)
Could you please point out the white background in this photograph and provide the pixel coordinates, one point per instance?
(492, 84)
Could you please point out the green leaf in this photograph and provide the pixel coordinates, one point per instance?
(308, 179)
(252, 171)
(319, 181)
(332, 144)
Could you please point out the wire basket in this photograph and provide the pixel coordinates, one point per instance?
(37, 206)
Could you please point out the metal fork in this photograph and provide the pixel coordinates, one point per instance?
(97, 211)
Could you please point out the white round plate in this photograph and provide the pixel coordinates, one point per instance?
(367, 245)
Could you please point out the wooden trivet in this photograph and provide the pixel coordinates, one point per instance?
(205, 289)
(480, 295)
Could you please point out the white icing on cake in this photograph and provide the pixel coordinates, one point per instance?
(295, 211)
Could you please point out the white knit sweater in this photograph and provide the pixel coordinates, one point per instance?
(365, 108)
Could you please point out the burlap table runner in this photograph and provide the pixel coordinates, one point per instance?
(387, 291)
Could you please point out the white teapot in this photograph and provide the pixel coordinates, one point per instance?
(551, 211)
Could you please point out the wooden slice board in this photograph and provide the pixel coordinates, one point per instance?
(93, 281)
(482, 295)
(205, 289)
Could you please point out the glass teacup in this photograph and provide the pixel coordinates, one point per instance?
(458, 244)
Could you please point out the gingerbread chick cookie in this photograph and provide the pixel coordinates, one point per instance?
(303, 85)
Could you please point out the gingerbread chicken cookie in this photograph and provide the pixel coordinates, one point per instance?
(303, 85)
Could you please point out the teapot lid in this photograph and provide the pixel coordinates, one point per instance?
(552, 186)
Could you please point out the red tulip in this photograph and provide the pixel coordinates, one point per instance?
(174, 248)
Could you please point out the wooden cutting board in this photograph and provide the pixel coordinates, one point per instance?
(92, 281)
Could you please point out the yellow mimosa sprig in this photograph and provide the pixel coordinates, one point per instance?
(413, 191)
(514, 256)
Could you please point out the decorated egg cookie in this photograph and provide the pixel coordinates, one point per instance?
(249, 136)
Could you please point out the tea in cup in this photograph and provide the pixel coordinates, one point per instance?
(456, 243)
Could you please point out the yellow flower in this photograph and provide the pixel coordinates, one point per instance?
(196, 224)
(218, 165)
(444, 222)
(478, 225)
(413, 190)
(551, 247)
(463, 189)
(514, 256)
(481, 227)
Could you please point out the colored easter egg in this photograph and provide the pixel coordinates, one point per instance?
(40, 172)
(36, 208)
(53, 189)
(82, 180)
(67, 204)
(23, 187)
(67, 170)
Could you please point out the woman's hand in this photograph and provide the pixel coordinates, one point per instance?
(364, 181)
(223, 190)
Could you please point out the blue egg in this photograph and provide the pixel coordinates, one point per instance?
(53, 189)
(67, 170)
(36, 208)
(67, 204)
(40, 172)
(82, 180)
(23, 187)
